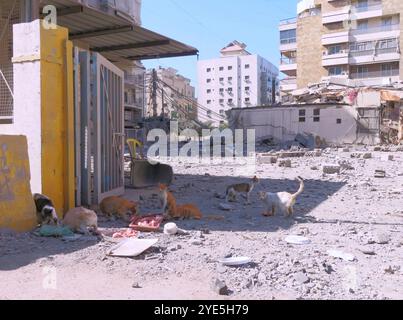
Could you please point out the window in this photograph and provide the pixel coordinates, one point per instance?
(209, 113)
(229, 90)
(208, 101)
(208, 69)
(230, 101)
(362, 25)
(316, 115)
(362, 5)
(335, 49)
(208, 90)
(247, 89)
(247, 66)
(208, 80)
(221, 90)
(229, 67)
(387, 21)
(335, 71)
(247, 100)
(221, 101)
(247, 78)
(221, 69)
(362, 72)
(288, 36)
(222, 112)
(229, 79)
(221, 79)
(302, 115)
(338, 121)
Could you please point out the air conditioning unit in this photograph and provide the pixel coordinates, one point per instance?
(344, 73)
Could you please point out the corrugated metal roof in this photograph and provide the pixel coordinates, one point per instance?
(113, 36)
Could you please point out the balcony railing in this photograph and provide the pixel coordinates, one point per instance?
(386, 28)
(375, 74)
(288, 81)
(366, 8)
(371, 52)
(286, 61)
(288, 21)
(288, 41)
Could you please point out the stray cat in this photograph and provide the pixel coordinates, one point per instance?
(171, 209)
(81, 220)
(241, 188)
(282, 201)
(116, 206)
(167, 201)
(45, 210)
(188, 211)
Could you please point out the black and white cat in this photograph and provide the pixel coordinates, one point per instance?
(45, 210)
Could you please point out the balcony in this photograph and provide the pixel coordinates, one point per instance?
(336, 16)
(335, 59)
(288, 64)
(288, 44)
(288, 84)
(288, 24)
(374, 56)
(375, 33)
(335, 38)
(376, 77)
(359, 12)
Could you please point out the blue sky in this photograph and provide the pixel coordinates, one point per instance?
(209, 25)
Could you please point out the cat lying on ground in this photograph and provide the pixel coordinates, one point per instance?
(122, 208)
(81, 220)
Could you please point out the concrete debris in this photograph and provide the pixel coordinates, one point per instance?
(382, 238)
(225, 207)
(301, 278)
(285, 163)
(380, 174)
(367, 155)
(219, 287)
(331, 169)
(341, 255)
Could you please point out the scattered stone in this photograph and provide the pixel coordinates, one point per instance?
(382, 238)
(219, 287)
(225, 207)
(387, 157)
(367, 251)
(136, 285)
(346, 165)
(392, 269)
(346, 149)
(377, 148)
(331, 168)
(265, 159)
(285, 163)
(367, 155)
(328, 268)
(301, 278)
(195, 242)
(314, 168)
(341, 255)
(380, 174)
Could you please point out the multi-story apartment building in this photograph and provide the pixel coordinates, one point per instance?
(358, 40)
(175, 95)
(238, 79)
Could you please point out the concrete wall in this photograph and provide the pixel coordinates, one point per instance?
(283, 123)
(43, 109)
(17, 208)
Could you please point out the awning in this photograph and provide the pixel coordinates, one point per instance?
(113, 36)
(393, 96)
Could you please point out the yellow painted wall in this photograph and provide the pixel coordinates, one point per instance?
(57, 118)
(17, 208)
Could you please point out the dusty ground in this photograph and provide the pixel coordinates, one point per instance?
(353, 212)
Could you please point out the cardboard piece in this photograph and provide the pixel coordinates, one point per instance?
(131, 247)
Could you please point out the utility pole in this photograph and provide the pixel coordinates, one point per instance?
(154, 94)
(163, 102)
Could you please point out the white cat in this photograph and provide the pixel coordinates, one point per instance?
(281, 201)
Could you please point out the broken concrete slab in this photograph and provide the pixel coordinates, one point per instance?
(331, 168)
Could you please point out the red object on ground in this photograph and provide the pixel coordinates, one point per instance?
(150, 223)
(128, 233)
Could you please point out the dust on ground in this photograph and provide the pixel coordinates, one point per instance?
(352, 211)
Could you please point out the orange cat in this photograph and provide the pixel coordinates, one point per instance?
(188, 211)
(169, 206)
(120, 207)
(167, 200)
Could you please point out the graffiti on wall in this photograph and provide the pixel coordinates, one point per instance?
(6, 193)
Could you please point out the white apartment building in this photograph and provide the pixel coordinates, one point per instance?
(238, 79)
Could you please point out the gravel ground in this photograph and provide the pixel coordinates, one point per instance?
(352, 211)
